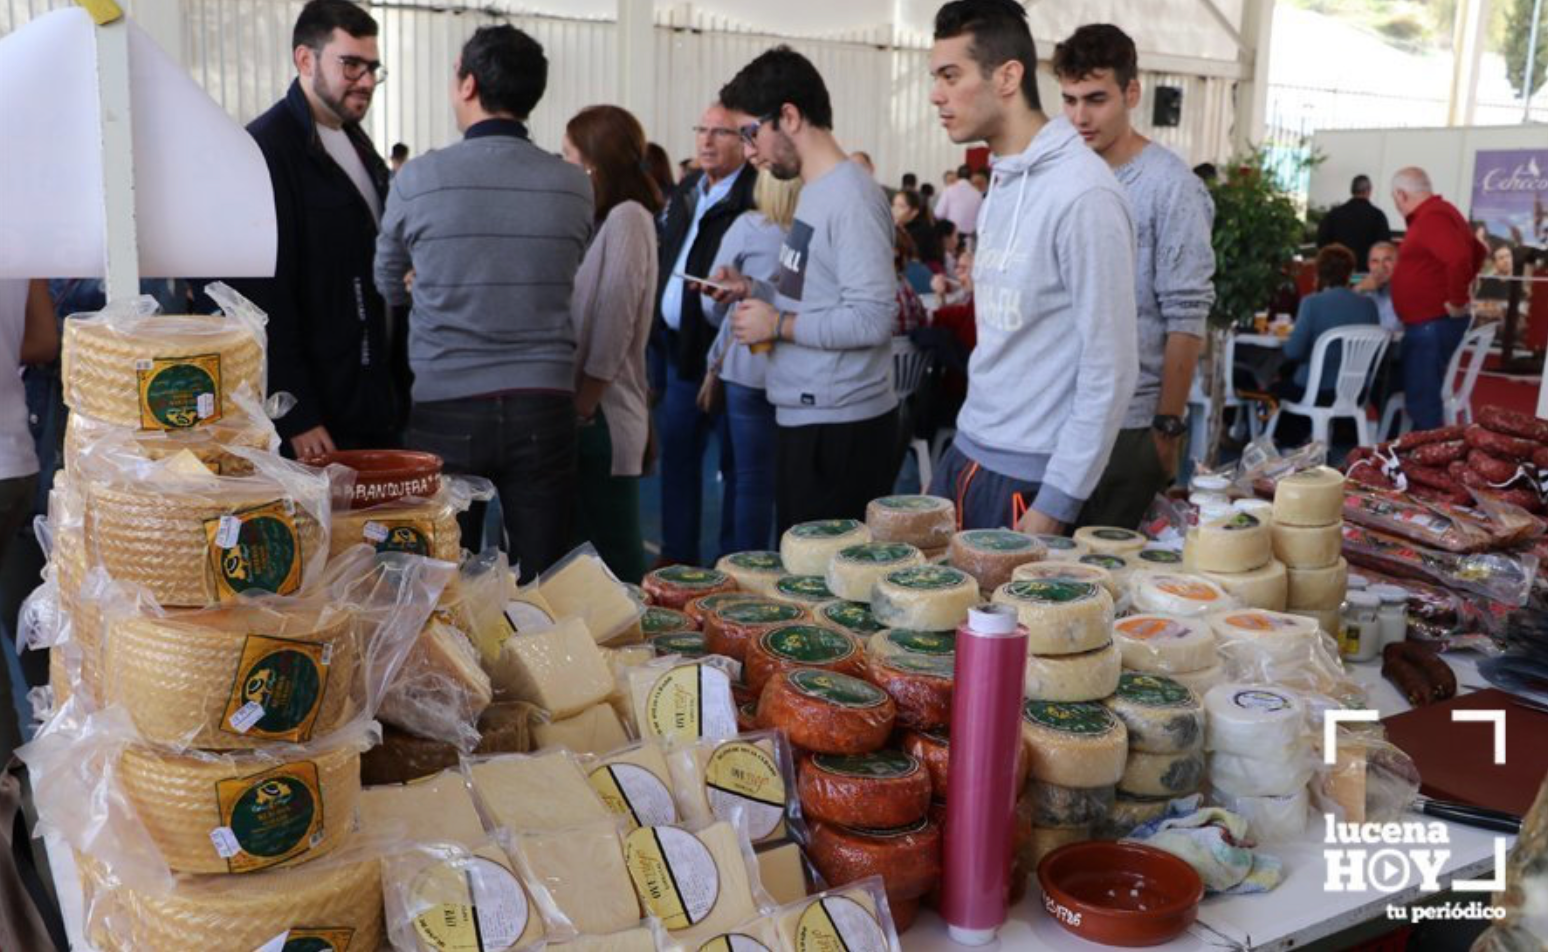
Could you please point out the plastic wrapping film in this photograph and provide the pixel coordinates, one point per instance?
(856, 917)
(478, 598)
(441, 690)
(581, 868)
(243, 424)
(1261, 465)
(699, 881)
(1504, 577)
(425, 527)
(1308, 665)
(676, 700)
(752, 775)
(130, 367)
(1373, 781)
(504, 728)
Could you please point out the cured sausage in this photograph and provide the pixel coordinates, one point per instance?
(1513, 422)
(1499, 444)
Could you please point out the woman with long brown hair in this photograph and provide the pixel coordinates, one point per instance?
(612, 310)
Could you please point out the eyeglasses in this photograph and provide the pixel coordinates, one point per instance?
(355, 68)
(750, 131)
(714, 132)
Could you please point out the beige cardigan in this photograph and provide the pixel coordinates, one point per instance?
(612, 309)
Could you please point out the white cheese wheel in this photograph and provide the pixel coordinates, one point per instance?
(1061, 617)
(1312, 497)
(1319, 590)
(1162, 775)
(808, 547)
(1174, 593)
(1088, 676)
(1269, 819)
(1162, 716)
(1067, 571)
(1118, 568)
(991, 555)
(924, 522)
(1163, 644)
(1265, 587)
(1200, 681)
(1074, 745)
(755, 572)
(1235, 543)
(1281, 632)
(854, 571)
(1110, 540)
(1308, 547)
(924, 598)
(1253, 719)
(1278, 772)
(1062, 548)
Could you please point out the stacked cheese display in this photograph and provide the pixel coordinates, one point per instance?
(1308, 537)
(1237, 553)
(1260, 759)
(1165, 721)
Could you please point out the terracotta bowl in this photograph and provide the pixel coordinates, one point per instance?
(1122, 894)
(389, 475)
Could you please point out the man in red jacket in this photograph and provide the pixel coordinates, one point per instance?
(1431, 288)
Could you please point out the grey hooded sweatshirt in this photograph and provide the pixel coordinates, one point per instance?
(1055, 365)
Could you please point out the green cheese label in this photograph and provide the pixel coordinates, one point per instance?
(412, 537)
(807, 588)
(913, 503)
(808, 644)
(758, 561)
(1260, 700)
(661, 621)
(277, 689)
(1002, 540)
(928, 578)
(1153, 690)
(852, 616)
(877, 553)
(272, 816)
(689, 644)
(840, 690)
(177, 393)
(1241, 521)
(1161, 556)
(825, 529)
(895, 832)
(1051, 591)
(760, 612)
(1062, 543)
(1116, 535)
(709, 603)
(265, 556)
(881, 765)
(691, 576)
(923, 642)
(929, 666)
(1086, 718)
(318, 940)
(1110, 562)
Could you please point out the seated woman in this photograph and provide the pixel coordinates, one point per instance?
(1334, 304)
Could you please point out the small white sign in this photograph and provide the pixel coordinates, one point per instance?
(225, 842)
(229, 532)
(375, 532)
(206, 405)
(246, 716)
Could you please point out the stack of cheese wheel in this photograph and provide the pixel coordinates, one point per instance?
(854, 571)
(674, 586)
(917, 670)
(1178, 594)
(1260, 760)
(1073, 570)
(924, 522)
(1308, 537)
(212, 443)
(1165, 721)
(1237, 553)
(1077, 754)
(1070, 652)
(1182, 649)
(808, 547)
(425, 527)
(1110, 540)
(1264, 647)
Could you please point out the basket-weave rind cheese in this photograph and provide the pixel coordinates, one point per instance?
(1173, 593)
(880, 790)
(1072, 570)
(1074, 745)
(1161, 715)
(1060, 617)
(264, 812)
(1319, 590)
(212, 444)
(1267, 587)
(1070, 678)
(808, 547)
(1162, 775)
(924, 522)
(422, 527)
(1110, 540)
(789, 647)
(754, 572)
(234, 678)
(1308, 547)
(1235, 543)
(827, 712)
(1313, 497)
(1162, 644)
(676, 585)
(163, 372)
(991, 555)
(854, 571)
(924, 598)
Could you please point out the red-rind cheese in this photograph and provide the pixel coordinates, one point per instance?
(731, 628)
(827, 712)
(881, 790)
(933, 749)
(907, 860)
(674, 586)
(904, 912)
(747, 717)
(789, 647)
(700, 608)
(920, 685)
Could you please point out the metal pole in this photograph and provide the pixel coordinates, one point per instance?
(1531, 63)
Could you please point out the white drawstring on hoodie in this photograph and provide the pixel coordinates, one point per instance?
(1021, 194)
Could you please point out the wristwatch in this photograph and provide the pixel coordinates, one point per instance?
(1168, 425)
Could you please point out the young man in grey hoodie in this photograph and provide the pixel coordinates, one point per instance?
(830, 310)
(1055, 364)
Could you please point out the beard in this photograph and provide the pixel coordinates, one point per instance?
(350, 111)
(784, 162)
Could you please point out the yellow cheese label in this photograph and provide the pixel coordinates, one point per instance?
(318, 940)
(635, 793)
(470, 905)
(256, 549)
(674, 874)
(270, 817)
(278, 687)
(733, 942)
(743, 776)
(688, 702)
(178, 393)
(838, 924)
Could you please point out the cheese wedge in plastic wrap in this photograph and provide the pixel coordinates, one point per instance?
(752, 776)
(678, 701)
(432, 809)
(595, 730)
(784, 873)
(635, 783)
(560, 669)
(581, 586)
(699, 884)
(582, 869)
(535, 792)
(854, 917)
(440, 897)
(441, 690)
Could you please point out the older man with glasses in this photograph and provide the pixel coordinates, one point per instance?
(698, 216)
(333, 342)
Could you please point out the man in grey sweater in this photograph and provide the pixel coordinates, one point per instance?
(1055, 364)
(829, 312)
(1098, 71)
(490, 232)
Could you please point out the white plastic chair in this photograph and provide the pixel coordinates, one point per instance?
(1360, 353)
(1456, 402)
(909, 365)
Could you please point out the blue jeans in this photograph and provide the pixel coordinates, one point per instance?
(1427, 348)
(684, 430)
(747, 440)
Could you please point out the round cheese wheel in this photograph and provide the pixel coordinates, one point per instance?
(991, 555)
(1047, 839)
(1130, 812)
(1116, 566)
(1060, 617)
(801, 646)
(920, 686)
(1163, 775)
(1270, 819)
(747, 717)
(1173, 593)
(938, 645)
(731, 628)
(924, 597)
(1278, 773)
(1312, 497)
(1070, 571)
(808, 547)
(665, 621)
(1200, 681)
(1056, 807)
(676, 585)
(754, 572)
(932, 749)
(1074, 745)
(1087, 676)
(1163, 644)
(1267, 587)
(1236, 543)
(1062, 548)
(854, 571)
(827, 712)
(881, 790)
(689, 644)
(1153, 557)
(924, 522)
(908, 860)
(852, 617)
(808, 590)
(1253, 720)
(1162, 716)
(1250, 634)
(1308, 547)
(699, 610)
(1110, 540)
(1319, 590)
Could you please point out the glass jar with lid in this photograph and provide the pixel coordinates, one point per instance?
(1362, 626)
(1393, 614)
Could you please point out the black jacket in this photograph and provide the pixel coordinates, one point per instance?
(328, 327)
(1356, 224)
(691, 342)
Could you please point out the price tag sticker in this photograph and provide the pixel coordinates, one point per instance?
(375, 532)
(205, 406)
(246, 716)
(229, 532)
(225, 842)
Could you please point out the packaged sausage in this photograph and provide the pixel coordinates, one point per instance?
(1496, 575)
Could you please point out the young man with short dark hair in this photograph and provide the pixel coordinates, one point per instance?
(494, 229)
(1054, 367)
(1098, 71)
(830, 311)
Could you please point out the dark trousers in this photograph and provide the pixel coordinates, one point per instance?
(685, 431)
(984, 499)
(747, 453)
(832, 470)
(525, 444)
(1135, 474)
(607, 507)
(1427, 348)
(16, 506)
